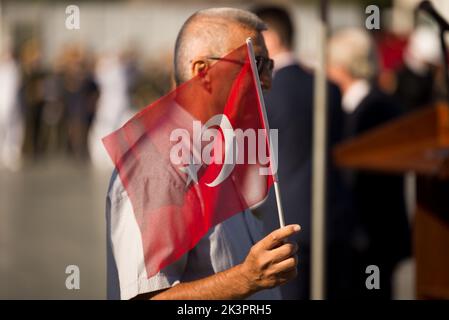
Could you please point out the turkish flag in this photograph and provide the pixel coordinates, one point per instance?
(190, 161)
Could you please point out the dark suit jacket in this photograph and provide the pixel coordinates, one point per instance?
(290, 110)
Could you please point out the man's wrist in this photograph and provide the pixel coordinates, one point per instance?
(246, 282)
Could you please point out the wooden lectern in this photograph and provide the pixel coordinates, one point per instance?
(417, 142)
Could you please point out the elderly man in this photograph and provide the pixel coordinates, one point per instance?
(230, 262)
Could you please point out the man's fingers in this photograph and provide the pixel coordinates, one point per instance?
(284, 251)
(278, 236)
(287, 265)
(286, 275)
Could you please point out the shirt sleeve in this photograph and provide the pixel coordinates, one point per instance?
(127, 276)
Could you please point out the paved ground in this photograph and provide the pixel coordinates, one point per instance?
(52, 216)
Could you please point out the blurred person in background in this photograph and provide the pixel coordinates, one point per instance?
(114, 79)
(390, 50)
(11, 123)
(382, 236)
(80, 94)
(416, 85)
(55, 133)
(32, 99)
(290, 110)
(129, 58)
(154, 80)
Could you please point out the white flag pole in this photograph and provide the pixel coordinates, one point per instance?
(273, 163)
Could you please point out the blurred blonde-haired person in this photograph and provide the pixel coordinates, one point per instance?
(382, 235)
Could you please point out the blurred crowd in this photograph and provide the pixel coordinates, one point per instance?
(68, 106)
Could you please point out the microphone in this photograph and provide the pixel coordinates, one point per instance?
(427, 7)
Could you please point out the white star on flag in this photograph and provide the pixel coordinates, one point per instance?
(192, 172)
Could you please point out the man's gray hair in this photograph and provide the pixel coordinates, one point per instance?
(214, 35)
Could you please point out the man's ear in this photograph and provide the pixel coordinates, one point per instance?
(200, 68)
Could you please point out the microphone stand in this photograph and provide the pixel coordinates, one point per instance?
(443, 26)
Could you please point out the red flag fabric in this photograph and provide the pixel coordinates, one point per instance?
(194, 158)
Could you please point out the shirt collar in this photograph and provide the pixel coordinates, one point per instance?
(354, 95)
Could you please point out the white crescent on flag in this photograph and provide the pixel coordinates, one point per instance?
(222, 121)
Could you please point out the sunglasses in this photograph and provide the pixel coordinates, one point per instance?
(262, 63)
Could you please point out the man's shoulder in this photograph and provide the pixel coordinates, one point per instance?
(303, 73)
(294, 71)
(290, 85)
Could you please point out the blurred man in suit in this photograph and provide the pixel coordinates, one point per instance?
(416, 80)
(290, 110)
(382, 235)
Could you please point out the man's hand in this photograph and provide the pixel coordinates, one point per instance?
(272, 261)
